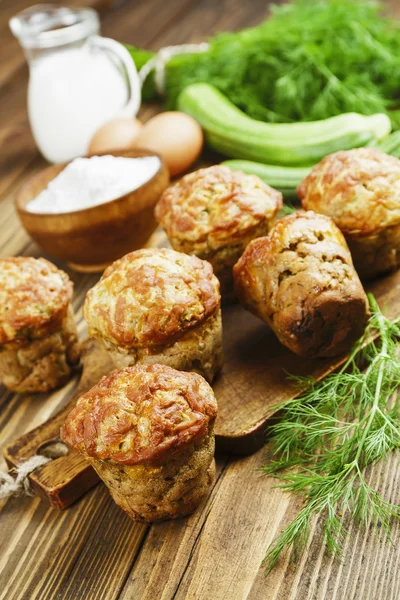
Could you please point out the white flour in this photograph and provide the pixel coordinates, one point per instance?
(87, 182)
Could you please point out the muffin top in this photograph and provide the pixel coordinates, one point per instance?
(140, 414)
(304, 253)
(215, 207)
(359, 189)
(301, 233)
(34, 294)
(151, 297)
(300, 279)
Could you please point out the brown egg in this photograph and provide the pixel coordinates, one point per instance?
(174, 135)
(119, 134)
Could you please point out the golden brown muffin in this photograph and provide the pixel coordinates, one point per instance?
(360, 190)
(214, 213)
(158, 306)
(38, 337)
(148, 432)
(300, 279)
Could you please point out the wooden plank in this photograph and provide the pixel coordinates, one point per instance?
(223, 560)
(145, 23)
(13, 237)
(193, 21)
(17, 152)
(393, 8)
(47, 554)
(166, 551)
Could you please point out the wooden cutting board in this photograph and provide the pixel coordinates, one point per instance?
(253, 380)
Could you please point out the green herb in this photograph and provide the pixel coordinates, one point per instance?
(141, 57)
(287, 209)
(308, 61)
(331, 433)
(391, 144)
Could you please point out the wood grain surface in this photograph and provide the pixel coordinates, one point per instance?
(93, 551)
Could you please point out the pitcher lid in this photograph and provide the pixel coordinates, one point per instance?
(47, 25)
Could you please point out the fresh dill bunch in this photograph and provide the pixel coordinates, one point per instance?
(307, 61)
(331, 432)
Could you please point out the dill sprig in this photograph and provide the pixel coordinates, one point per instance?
(331, 432)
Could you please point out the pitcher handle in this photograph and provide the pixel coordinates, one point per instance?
(133, 104)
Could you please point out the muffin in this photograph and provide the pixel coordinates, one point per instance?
(214, 213)
(148, 432)
(300, 279)
(38, 337)
(360, 190)
(158, 306)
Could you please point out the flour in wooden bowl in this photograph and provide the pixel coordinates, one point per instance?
(87, 182)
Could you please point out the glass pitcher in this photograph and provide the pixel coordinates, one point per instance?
(77, 79)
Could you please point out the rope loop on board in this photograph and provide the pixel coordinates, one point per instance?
(15, 481)
(163, 56)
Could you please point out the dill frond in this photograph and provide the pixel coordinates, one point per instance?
(331, 432)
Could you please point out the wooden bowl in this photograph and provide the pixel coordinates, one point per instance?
(91, 238)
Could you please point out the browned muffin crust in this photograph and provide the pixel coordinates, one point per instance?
(148, 432)
(199, 350)
(151, 297)
(168, 490)
(214, 212)
(34, 298)
(141, 414)
(360, 190)
(300, 279)
(38, 337)
(213, 207)
(42, 364)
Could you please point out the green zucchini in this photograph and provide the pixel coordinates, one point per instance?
(284, 179)
(229, 131)
(391, 144)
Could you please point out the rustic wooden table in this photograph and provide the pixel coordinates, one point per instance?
(93, 550)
